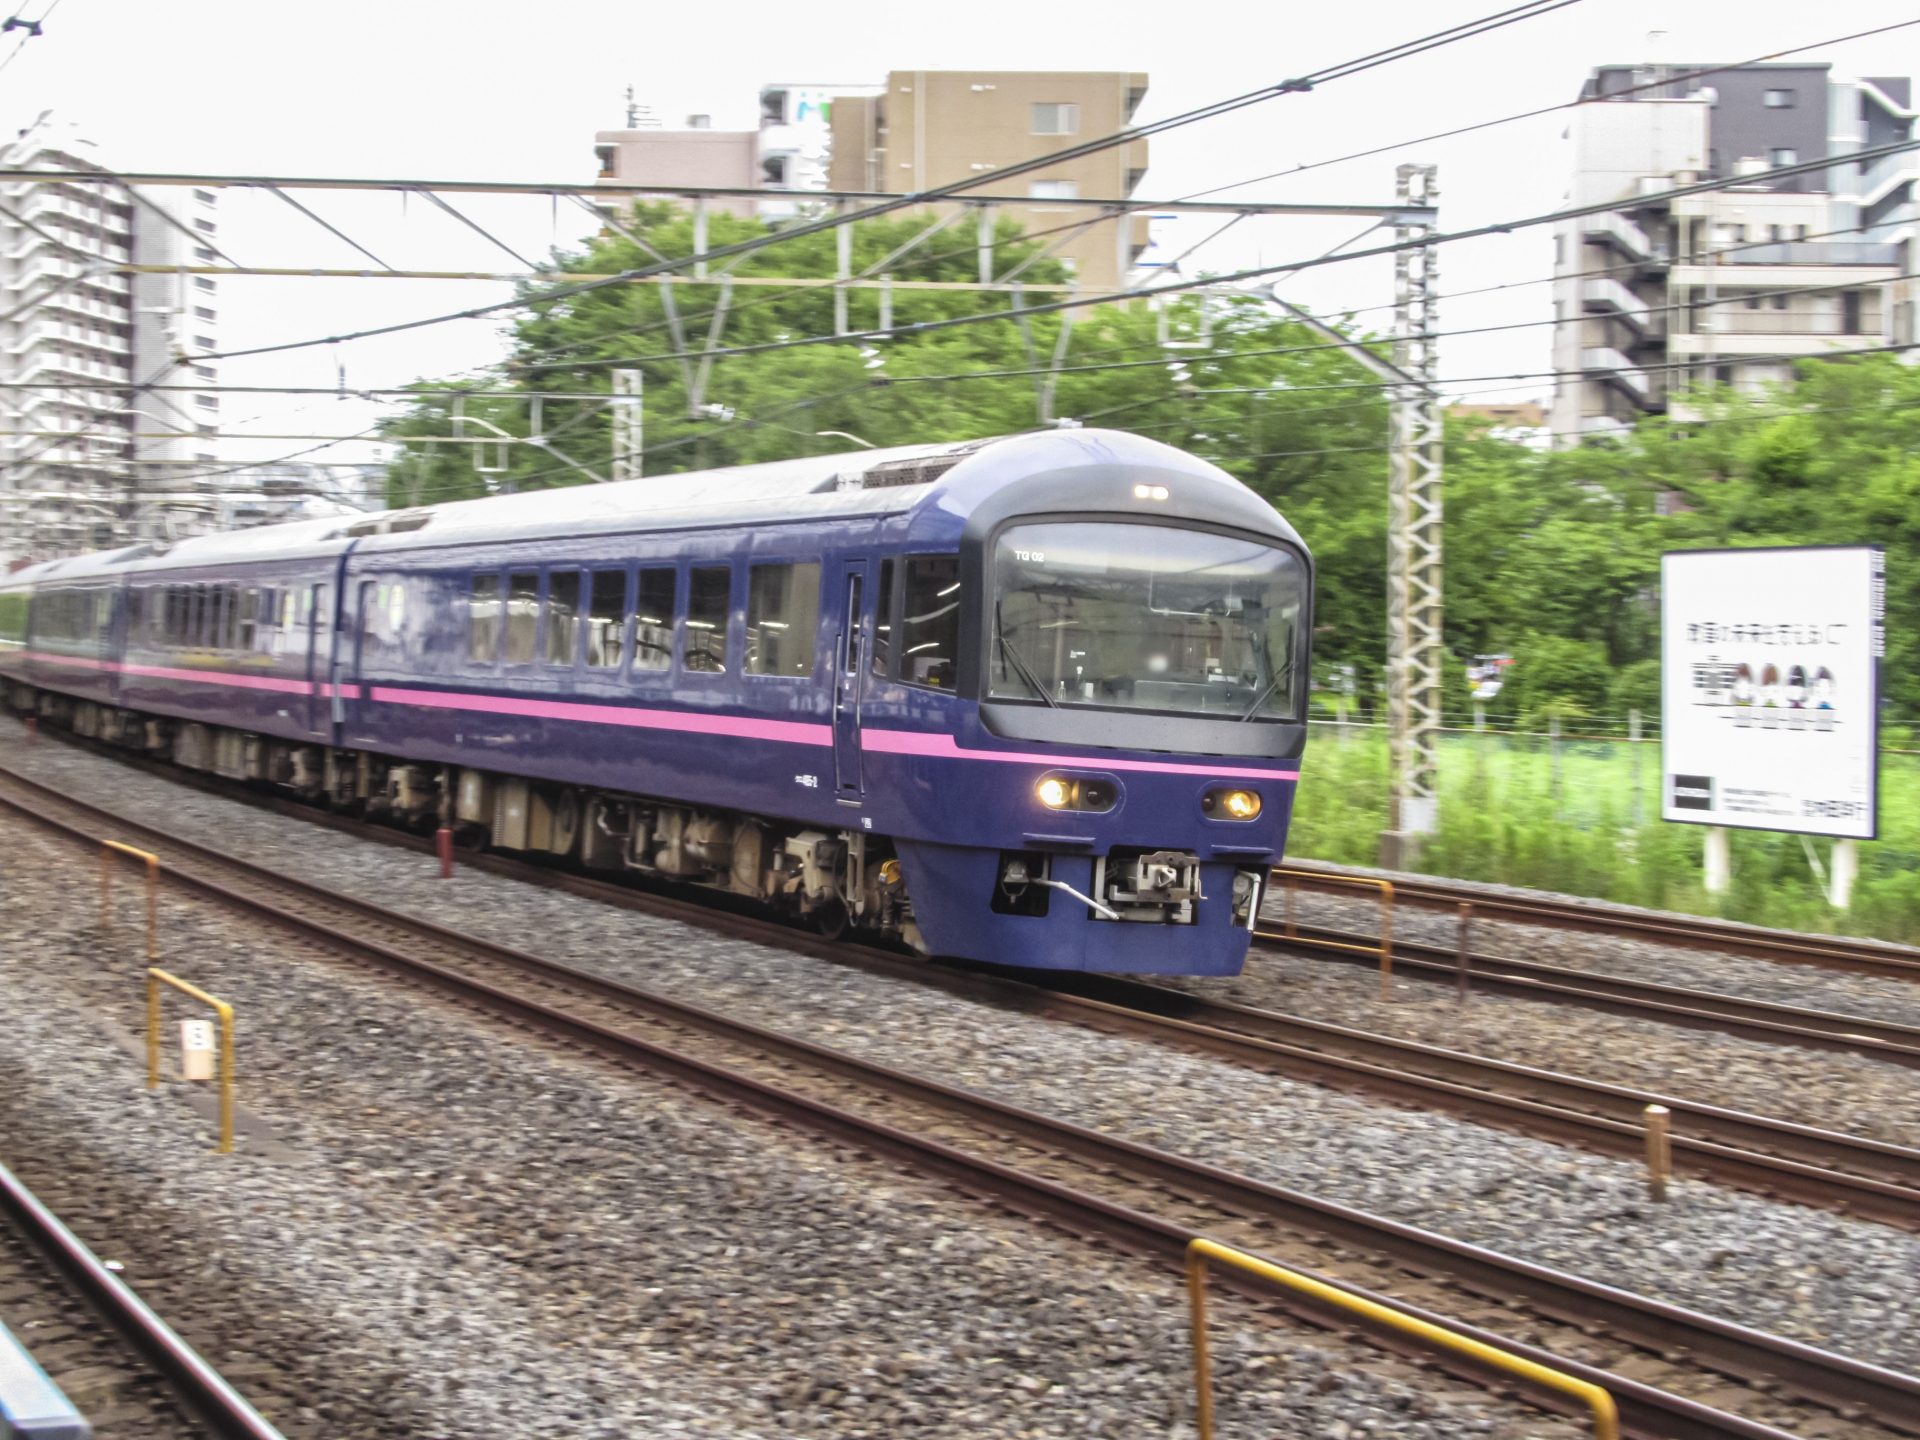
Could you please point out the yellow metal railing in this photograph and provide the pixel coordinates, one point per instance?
(1606, 1419)
(1384, 949)
(155, 979)
(108, 848)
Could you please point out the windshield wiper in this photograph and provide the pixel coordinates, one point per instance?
(1271, 685)
(1006, 648)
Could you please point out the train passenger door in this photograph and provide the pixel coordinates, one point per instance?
(317, 605)
(849, 649)
(365, 617)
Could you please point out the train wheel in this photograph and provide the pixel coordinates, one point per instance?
(829, 919)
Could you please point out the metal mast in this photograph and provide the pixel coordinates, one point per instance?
(1415, 653)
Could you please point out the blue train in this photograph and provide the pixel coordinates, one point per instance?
(1037, 700)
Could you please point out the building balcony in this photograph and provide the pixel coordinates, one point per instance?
(1610, 297)
(1606, 363)
(1614, 229)
(1603, 427)
(1814, 252)
(1756, 344)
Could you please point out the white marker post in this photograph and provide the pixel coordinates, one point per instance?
(196, 1050)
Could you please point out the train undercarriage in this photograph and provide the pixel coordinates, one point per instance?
(832, 880)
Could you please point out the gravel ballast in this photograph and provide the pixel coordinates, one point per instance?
(435, 1226)
(1815, 1276)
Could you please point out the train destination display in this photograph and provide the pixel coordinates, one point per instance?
(1770, 688)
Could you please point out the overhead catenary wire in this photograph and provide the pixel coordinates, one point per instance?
(959, 189)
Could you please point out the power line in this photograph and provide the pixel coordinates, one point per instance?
(1554, 109)
(1239, 276)
(960, 188)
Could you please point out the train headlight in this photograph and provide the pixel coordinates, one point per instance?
(1231, 804)
(1054, 793)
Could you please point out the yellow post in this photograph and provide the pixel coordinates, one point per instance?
(1384, 949)
(1606, 1418)
(1386, 940)
(107, 847)
(155, 979)
(1202, 1361)
(1659, 1151)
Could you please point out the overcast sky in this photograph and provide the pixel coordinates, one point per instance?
(484, 90)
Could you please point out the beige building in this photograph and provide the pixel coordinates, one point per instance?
(936, 127)
(694, 158)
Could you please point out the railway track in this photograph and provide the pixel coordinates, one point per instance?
(1617, 995)
(1830, 952)
(1869, 1179)
(1693, 1374)
(64, 1278)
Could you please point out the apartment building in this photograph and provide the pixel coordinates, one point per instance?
(930, 128)
(87, 462)
(1654, 297)
(922, 129)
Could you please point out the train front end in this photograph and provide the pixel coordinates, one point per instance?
(1124, 742)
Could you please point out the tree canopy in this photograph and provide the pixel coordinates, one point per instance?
(1552, 556)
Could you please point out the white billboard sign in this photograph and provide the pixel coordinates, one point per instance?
(1770, 688)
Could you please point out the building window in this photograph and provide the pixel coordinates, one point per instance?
(709, 598)
(205, 197)
(1781, 155)
(783, 618)
(1053, 190)
(773, 172)
(205, 342)
(773, 107)
(1056, 119)
(1780, 300)
(1777, 99)
(1559, 250)
(1850, 312)
(207, 402)
(206, 225)
(201, 312)
(204, 283)
(208, 429)
(200, 252)
(204, 372)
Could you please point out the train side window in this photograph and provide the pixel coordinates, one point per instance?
(523, 616)
(563, 617)
(883, 622)
(249, 618)
(709, 598)
(483, 620)
(783, 618)
(607, 619)
(653, 621)
(930, 628)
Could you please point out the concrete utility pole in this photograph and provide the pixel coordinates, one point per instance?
(1415, 653)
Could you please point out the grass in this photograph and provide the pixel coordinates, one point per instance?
(1583, 826)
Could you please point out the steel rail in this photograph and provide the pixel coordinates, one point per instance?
(1868, 1179)
(1621, 995)
(1852, 1387)
(207, 1396)
(1694, 932)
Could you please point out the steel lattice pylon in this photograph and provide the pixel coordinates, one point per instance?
(1415, 653)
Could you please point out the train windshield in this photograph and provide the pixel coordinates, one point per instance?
(1147, 617)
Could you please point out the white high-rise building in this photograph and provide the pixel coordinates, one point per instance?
(93, 453)
(1731, 286)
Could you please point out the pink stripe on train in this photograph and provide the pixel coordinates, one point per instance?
(740, 727)
(943, 747)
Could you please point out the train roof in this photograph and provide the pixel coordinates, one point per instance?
(866, 483)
